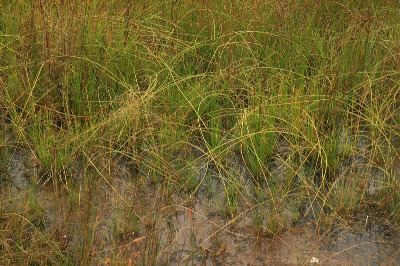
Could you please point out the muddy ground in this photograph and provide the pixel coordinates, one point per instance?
(117, 219)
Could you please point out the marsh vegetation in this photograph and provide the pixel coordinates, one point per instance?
(188, 132)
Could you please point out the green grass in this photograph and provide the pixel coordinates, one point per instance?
(4, 147)
(169, 87)
(4, 154)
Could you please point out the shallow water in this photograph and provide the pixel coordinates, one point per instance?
(203, 239)
(194, 230)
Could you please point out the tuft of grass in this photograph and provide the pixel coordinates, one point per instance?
(344, 196)
(54, 147)
(4, 152)
(257, 129)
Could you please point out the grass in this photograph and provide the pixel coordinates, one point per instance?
(4, 154)
(4, 148)
(301, 97)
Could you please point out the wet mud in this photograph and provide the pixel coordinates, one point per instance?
(118, 220)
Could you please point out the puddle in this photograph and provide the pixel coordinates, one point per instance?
(195, 238)
(371, 247)
(189, 231)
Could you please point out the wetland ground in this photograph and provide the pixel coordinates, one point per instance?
(199, 132)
